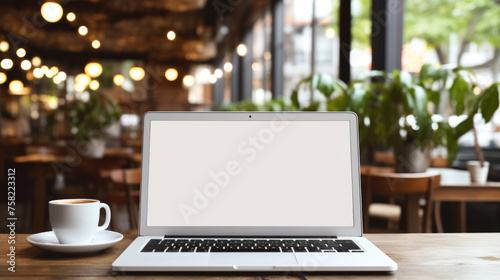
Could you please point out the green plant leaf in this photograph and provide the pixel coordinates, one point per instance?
(458, 92)
(295, 98)
(489, 102)
(313, 107)
(463, 127)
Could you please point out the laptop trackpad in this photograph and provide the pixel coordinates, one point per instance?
(251, 259)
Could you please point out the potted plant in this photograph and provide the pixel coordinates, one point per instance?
(466, 97)
(88, 120)
(392, 110)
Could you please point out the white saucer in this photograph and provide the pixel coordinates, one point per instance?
(48, 241)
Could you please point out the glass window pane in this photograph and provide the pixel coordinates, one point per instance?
(297, 43)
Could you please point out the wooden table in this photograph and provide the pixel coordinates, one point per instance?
(457, 187)
(419, 256)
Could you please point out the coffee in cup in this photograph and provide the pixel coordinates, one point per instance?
(75, 221)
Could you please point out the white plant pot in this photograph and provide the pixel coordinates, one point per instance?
(478, 174)
(96, 148)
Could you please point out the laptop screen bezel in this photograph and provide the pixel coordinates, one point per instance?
(355, 230)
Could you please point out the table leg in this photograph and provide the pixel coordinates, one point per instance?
(39, 203)
(437, 217)
(459, 210)
(412, 219)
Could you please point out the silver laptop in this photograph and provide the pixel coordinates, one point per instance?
(251, 191)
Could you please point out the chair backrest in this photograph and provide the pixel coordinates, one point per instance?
(390, 184)
(401, 183)
(45, 150)
(126, 176)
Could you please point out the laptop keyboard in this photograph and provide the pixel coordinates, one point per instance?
(169, 245)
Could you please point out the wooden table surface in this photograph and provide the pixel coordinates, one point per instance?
(419, 256)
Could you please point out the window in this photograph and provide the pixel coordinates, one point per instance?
(261, 62)
(458, 32)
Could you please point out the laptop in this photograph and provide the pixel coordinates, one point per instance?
(251, 191)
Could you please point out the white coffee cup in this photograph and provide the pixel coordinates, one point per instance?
(75, 221)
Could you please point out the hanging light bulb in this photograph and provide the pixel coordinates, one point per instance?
(188, 80)
(93, 69)
(82, 79)
(137, 73)
(118, 79)
(36, 61)
(62, 76)
(54, 70)
(228, 67)
(3, 78)
(51, 11)
(50, 73)
(21, 52)
(6, 63)
(171, 74)
(212, 79)
(94, 85)
(96, 44)
(16, 87)
(4, 46)
(79, 87)
(83, 30)
(26, 65)
(241, 50)
(218, 73)
(38, 73)
(171, 35)
(71, 16)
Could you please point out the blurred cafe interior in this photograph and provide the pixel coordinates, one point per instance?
(76, 77)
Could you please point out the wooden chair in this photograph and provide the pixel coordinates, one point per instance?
(411, 187)
(45, 150)
(125, 190)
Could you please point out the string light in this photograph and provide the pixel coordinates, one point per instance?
(96, 44)
(83, 30)
(93, 69)
(94, 85)
(188, 80)
(16, 86)
(137, 73)
(71, 16)
(118, 79)
(3, 78)
(26, 65)
(38, 73)
(82, 79)
(171, 35)
(51, 11)
(241, 50)
(212, 79)
(36, 61)
(21, 52)
(54, 70)
(171, 74)
(62, 76)
(4, 46)
(6, 63)
(218, 73)
(228, 67)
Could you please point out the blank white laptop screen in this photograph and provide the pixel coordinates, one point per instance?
(250, 173)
